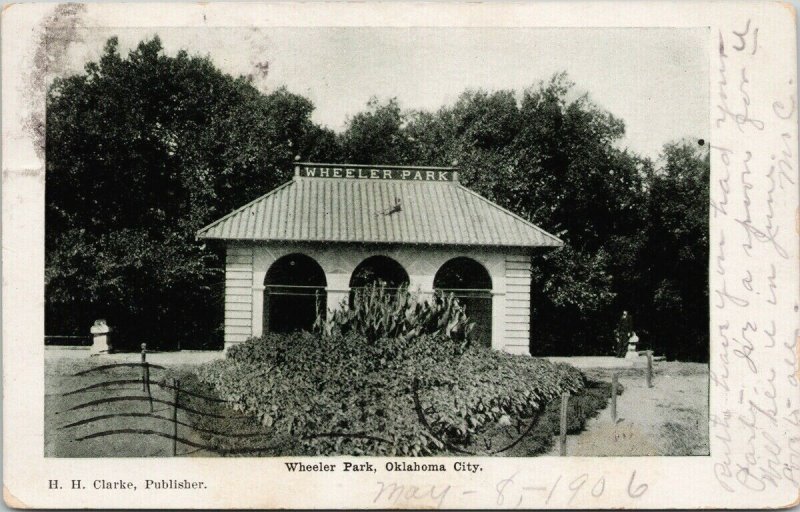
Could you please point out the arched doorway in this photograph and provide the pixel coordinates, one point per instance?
(378, 269)
(470, 282)
(294, 294)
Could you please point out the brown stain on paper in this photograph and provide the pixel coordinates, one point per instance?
(11, 500)
(792, 11)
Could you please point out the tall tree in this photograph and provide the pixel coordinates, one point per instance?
(142, 150)
(550, 155)
(674, 266)
(377, 135)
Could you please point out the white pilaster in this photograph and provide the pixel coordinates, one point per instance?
(258, 309)
(338, 289)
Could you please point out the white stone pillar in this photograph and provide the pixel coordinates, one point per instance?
(263, 258)
(421, 284)
(101, 337)
(258, 309)
(338, 289)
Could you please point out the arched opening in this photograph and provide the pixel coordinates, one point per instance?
(470, 282)
(294, 294)
(381, 270)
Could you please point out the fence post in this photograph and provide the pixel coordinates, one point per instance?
(146, 376)
(175, 388)
(649, 368)
(563, 427)
(144, 366)
(614, 390)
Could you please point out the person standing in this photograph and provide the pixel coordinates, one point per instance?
(624, 333)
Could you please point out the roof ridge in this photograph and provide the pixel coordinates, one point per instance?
(524, 233)
(243, 207)
(509, 212)
(379, 166)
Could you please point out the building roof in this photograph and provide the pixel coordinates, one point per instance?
(368, 204)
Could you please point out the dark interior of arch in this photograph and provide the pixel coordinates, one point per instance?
(471, 284)
(379, 269)
(294, 294)
(462, 273)
(295, 270)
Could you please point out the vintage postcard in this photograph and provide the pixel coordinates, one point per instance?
(400, 255)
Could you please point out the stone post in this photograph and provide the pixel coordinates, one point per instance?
(101, 337)
(632, 353)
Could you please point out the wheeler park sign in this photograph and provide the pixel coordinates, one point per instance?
(370, 172)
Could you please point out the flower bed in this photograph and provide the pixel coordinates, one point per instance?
(343, 394)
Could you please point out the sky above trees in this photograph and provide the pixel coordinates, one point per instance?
(655, 80)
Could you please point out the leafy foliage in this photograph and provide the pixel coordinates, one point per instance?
(314, 388)
(674, 263)
(143, 150)
(572, 293)
(553, 156)
(377, 312)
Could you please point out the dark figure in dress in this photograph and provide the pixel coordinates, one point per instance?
(624, 333)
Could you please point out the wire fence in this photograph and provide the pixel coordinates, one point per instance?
(67, 341)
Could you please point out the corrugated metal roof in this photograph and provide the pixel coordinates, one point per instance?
(361, 210)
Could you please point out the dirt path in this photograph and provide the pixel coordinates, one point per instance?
(670, 418)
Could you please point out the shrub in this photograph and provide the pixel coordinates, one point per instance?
(376, 312)
(581, 407)
(484, 385)
(345, 394)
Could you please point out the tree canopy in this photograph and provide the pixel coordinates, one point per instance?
(143, 150)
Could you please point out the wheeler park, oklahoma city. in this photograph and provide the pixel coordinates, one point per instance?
(324, 467)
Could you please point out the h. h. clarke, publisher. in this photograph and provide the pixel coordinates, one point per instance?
(119, 484)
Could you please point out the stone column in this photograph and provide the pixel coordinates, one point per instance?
(101, 337)
(421, 284)
(338, 289)
(258, 309)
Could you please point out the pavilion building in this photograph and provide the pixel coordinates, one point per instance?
(302, 248)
